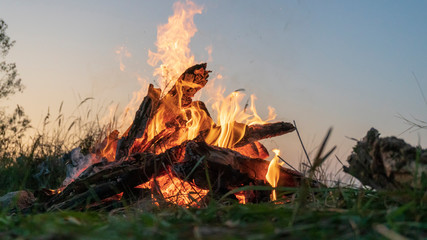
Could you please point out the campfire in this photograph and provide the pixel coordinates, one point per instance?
(173, 151)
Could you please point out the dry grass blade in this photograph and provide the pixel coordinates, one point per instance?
(289, 165)
(319, 160)
(60, 107)
(386, 232)
(194, 168)
(85, 100)
(304, 191)
(419, 87)
(302, 144)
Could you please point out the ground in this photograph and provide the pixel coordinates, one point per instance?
(334, 213)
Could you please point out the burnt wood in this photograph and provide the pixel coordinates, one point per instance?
(140, 122)
(254, 168)
(261, 131)
(113, 178)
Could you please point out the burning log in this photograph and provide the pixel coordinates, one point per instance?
(261, 131)
(167, 114)
(187, 85)
(255, 168)
(142, 117)
(255, 132)
(102, 181)
(226, 168)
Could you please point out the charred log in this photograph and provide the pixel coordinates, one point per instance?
(255, 169)
(187, 85)
(140, 122)
(252, 133)
(114, 178)
(257, 132)
(181, 94)
(170, 107)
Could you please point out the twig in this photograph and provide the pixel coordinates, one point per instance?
(302, 144)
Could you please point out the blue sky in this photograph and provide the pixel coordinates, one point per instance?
(349, 65)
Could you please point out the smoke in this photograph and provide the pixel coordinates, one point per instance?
(76, 163)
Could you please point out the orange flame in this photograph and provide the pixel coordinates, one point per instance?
(109, 151)
(173, 41)
(230, 116)
(273, 172)
(173, 56)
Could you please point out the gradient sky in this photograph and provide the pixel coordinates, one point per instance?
(349, 65)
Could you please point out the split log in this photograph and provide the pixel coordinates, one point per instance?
(255, 169)
(140, 122)
(261, 131)
(187, 85)
(387, 163)
(252, 133)
(180, 96)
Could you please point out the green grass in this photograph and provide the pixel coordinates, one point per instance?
(309, 213)
(37, 163)
(336, 213)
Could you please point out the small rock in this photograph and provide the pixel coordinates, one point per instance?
(20, 199)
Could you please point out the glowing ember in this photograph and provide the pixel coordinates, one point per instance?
(176, 191)
(273, 172)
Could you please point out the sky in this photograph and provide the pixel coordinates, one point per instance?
(349, 65)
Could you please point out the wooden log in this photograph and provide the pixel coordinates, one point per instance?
(176, 131)
(227, 170)
(257, 132)
(114, 178)
(187, 85)
(387, 163)
(253, 133)
(254, 168)
(139, 124)
(171, 106)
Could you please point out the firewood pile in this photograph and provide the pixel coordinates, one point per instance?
(160, 149)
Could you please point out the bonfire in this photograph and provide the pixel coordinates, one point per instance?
(173, 151)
